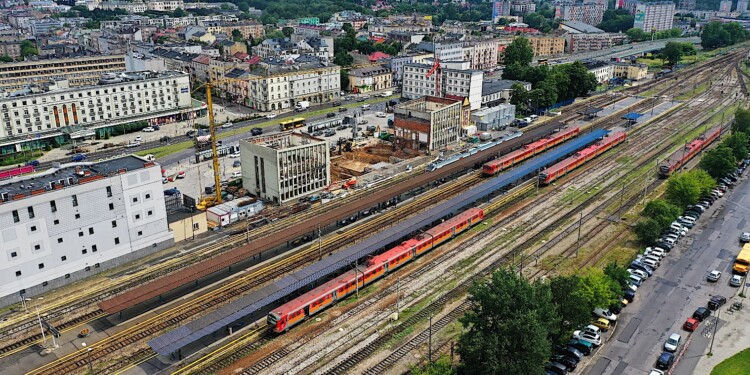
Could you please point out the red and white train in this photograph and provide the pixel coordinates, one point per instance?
(494, 167)
(560, 169)
(680, 157)
(295, 311)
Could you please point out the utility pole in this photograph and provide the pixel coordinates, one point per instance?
(716, 325)
(578, 242)
(356, 277)
(320, 245)
(429, 355)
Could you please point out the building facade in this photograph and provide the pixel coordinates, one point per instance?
(742, 6)
(79, 71)
(428, 122)
(494, 118)
(657, 16)
(397, 63)
(10, 48)
(454, 80)
(284, 166)
(575, 43)
(725, 6)
(545, 46)
(498, 91)
(78, 220)
(481, 54)
(590, 14)
(131, 97)
(368, 79)
(602, 70)
(523, 6)
(633, 72)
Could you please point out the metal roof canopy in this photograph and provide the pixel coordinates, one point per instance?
(251, 303)
(590, 111)
(632, 116)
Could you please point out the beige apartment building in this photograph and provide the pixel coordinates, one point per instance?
(368, 79)
(547, 45)
(79, 71)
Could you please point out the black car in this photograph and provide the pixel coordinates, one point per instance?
(716, 301)
(570, 352)
(569, 362)
(256, 131)
(665, 361)
(629, 295)
(190, 133)
(331, 115)
(701, 313)
(343, 109)
(336, 104)
(556, 368)
(236, 163)
(164, 139)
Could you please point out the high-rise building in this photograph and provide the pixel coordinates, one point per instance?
(68, 223)
(687, 4)
(78, 71)
(590, 14)
(500, 9)
(742, 6)
(523, 6)
(725, 6)
(452, 80)
(655, 16)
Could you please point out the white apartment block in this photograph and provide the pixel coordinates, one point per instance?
(590, 14)
(742, 6)
(602, 70)
(74, 221)
(277, 85)
(455, 80)
(656, 16)
(481, 54)
(119, 98)
(165, 6)
(78, 71)
(575, 43)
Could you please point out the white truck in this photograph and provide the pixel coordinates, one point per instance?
(386, 94)
(301, 106)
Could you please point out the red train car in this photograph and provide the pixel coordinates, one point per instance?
(680, 157)
(295, 311)
(560, 169)
(493, 167)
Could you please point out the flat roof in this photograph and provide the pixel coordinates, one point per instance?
(584, 28)
(632, 116)
(71, 174)
(497, 85)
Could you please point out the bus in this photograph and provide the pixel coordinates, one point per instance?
(742, 263)
(292, 124)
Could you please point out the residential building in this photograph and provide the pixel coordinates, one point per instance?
(284, 166)
(588, 13)
(494, 118)
(74, 221)
(690, 4)
(21, 20)
(10, 48)
(656, 16)
(130, 7)
(46, 25)
(309, 21)
(138, 62)
(248, 29)
(498, 91)
(633, 72)
(429, 122)
(545, 46)
(275, 47)
(373, 78)
(500, 9)
(725, 6)
(396, 64)
(578, 27)
(321, 47)
(601, 69)
(445, 50)
(575, 43)
(455, 80)
(78, 71)
(37, 116)
(276, 85)
(742, 6)
(523, 6)
(482, 54)
(165, 5)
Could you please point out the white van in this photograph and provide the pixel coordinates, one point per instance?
(365, 106)
(236, 174)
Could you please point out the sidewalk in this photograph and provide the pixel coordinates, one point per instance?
(730, 339)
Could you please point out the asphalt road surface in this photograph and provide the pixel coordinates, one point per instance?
(675, 290)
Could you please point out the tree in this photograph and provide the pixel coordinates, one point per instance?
(507, 327)
(647, 231)
(344, 79)
(616, 20)
(276, 34)
(637, 35)
(581, 81)
(686, 188)
(287, 31)
(741, 121)
(662, 211)
(28, 48)
(738, 142)
(519, 51)
(597, 288)
(719, 162)
(179, 13)
(343, 59)
(519, 97)
(515, 71)
(574, 309)
(672, 52)
(349, 29)
(5, 58)
(442, 366)
(237, 35)
(618, 274)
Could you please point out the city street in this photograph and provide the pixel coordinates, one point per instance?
(676, 289)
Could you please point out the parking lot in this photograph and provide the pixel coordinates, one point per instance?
(673, 293)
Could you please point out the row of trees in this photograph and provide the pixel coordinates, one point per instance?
(349, 42)
(674, 51)
(549, 84)
(514, 324)
(617, 20)
(716, 34)
(638, 35)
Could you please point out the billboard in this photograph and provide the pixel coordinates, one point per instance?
(640, 17)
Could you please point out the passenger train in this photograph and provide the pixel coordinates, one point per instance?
(494, 167)
(440, 163)
(682, 156)
(560, 169)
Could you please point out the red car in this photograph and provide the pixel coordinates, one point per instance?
(691, 324)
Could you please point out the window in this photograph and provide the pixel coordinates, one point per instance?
(13, 254)
(67, 275)
(33, 228)
(135, 199)
(93, 248)
(149, 213)
(18, 273)
(53, 206)
(111, 206)
(37, 247)
(80, 234)
(114, 223)
(109, 191)
(60, 240)
(91, 230)
(137, 216)
(63, 258)
(84, 251)
(140, 233)
(148, 196)
(96, 265)
(41, 265)
(78, 216)
(56, 222)
(74, 198)
(117, 240)
(16, 218)
(31, 212)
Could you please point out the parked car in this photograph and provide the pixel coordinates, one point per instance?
(569, 362)
(584, 347)
(234, 155)
(656, 372)
(570, 352)
(271, 116)
(628, 295)
(588, 336)
(343, 109)
(714, 276)
(736, 280)
(190, 133)
(701, 313)
(643, 275)
(181, 174)
(556, 368)
(673, 342)
(691, 324)
(602, 323)
(336, 104)
(380, 114)
(637, 281)
(330, 114)
(716, 301)
(642, 267)
(236, 174)
(665, 361)
(172, 191)
(745, 237)
(226, 125)
(256, 131)
(236, 164)
(148, 129)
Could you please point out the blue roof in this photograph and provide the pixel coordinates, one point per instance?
(255, 301)
(632, 116)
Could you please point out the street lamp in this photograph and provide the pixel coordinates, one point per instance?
(41, 327)
(88, 357)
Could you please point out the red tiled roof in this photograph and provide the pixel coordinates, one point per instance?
(375, 56)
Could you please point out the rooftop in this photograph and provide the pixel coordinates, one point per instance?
(67, 175)
(497, 85)
(581, 27)
(369, 71)
(283, 140)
